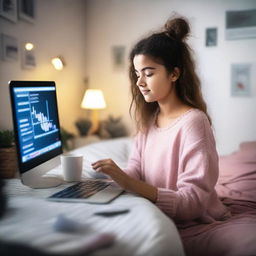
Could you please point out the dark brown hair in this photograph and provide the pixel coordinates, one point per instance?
(169, 48)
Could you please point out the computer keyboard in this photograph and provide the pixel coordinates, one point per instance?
(81, 190)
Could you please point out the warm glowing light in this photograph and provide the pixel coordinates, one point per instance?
(93, 99)
(29, 46)
(58, 63)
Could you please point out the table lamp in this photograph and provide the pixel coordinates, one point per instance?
(94, 100)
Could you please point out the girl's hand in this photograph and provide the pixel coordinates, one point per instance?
(109, 167)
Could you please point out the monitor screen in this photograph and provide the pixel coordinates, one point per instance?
(36, 122)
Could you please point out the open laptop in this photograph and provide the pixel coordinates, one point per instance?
(39, 146)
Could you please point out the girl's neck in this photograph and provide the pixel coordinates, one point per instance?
(172, 107)
(168, 114)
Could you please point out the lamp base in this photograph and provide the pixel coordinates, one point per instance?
(95, 121)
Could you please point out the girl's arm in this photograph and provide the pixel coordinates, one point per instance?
(109, 167)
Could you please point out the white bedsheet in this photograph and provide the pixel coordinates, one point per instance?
(145, 230)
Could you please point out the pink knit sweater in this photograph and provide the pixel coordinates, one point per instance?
(182, 162)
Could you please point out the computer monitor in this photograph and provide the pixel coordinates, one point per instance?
(37, 131)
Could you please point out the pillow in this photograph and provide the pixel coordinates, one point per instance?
(248, 151)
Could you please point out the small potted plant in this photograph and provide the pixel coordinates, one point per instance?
(113, 127)
(83, 126)
(66, 137)
(8, 156)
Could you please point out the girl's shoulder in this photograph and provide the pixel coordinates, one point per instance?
(191, 118)
(195, 115)
(196, 124)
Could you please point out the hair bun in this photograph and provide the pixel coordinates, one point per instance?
(177, 28)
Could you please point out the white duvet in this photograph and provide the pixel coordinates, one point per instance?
(144, 230)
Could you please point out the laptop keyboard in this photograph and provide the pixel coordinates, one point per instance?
(82, 189)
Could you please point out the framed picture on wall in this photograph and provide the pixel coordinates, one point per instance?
(8, 10)
(118, 57)
(27, 10)
(9, 47)
(241, 24)
(28, 58)
(240, 80)
(211, 37)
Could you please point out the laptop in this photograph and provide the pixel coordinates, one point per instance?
(39, 145)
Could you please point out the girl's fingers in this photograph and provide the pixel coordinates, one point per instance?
(102, 161)
(104, 167)
(95, 166)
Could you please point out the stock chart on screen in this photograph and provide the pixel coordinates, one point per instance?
(37, 120)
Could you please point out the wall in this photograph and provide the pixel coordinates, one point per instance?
(84, 33)
(57, 30)
(115, 22)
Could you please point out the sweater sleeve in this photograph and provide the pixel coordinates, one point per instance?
(197, 174)
(133, 167)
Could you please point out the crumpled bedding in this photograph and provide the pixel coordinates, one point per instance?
(236, 186)
(144, 230)
(236, 236)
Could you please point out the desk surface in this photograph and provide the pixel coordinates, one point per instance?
(30, 218)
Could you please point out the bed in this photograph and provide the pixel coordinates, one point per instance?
(32, 220)
(236, 187)
(145, 230)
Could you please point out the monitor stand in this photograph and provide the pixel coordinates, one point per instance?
(35, 178)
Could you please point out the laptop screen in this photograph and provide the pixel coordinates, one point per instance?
(36, 122)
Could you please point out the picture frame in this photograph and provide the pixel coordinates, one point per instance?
(26, 10)
(9, 48)
(211, 37)
(118, 57)
(241, 24)
(8, 10)
(28, 58)
(241, 79)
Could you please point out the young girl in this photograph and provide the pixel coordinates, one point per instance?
(174, 162)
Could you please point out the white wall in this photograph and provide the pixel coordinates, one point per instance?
(84, 32)
(115, 22)
(57, 30)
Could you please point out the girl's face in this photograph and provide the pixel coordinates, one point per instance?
(154, 82)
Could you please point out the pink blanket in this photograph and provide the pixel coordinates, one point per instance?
(236, 187)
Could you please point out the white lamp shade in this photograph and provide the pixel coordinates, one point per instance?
(93, 99)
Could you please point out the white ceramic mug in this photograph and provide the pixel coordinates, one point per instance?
(72, 166)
